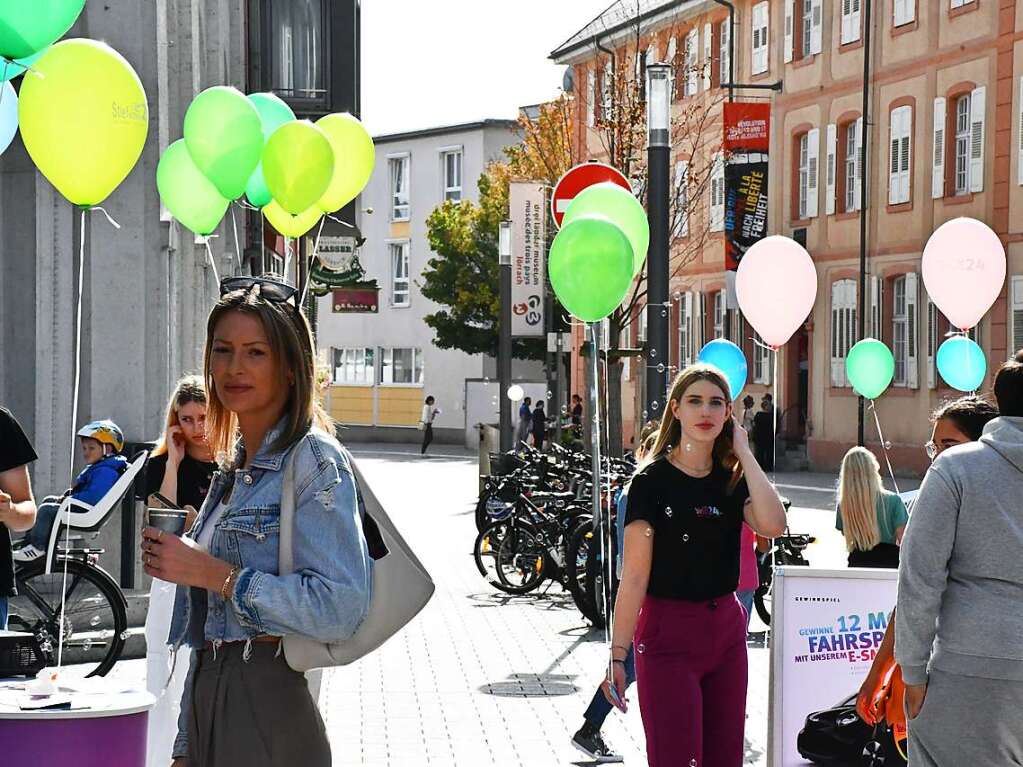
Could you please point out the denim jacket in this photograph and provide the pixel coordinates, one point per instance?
(327, 596)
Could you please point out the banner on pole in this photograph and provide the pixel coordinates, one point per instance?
(747, 141)
(528, 213)
(826, 628)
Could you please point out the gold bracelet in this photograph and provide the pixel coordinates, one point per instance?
(229, 582)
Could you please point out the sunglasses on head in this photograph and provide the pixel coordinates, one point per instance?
(270, 289)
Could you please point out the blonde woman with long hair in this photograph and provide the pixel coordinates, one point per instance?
(871, 518)
(685, 511)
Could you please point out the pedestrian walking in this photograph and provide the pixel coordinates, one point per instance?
(960, 596)
(686, 507)
(577, 416)
(17, 506)
(242, 703)
(430, 412)
(588, 738)
(871, 518)
(748, 412)
(524, 426)
(538, 425)
(180, 469)
(763, 434)
(954, 423)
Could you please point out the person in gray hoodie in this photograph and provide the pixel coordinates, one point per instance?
(959, 638)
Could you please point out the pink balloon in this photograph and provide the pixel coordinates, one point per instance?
(964, 269)
(776, 286)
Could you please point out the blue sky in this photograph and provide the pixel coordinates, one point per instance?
(437, 62)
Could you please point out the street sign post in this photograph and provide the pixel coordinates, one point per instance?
(578, 178)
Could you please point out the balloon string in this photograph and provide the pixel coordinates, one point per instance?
(243, 204)
(287, 257)
(774, 416)
(104, 212)
(309, 268)
(605, 538)
(213, 263)
(237, 245)
(74, 424)
(884, 445)
(337, 220)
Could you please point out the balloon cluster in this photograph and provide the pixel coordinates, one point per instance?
(599, 250)
(82, 109)
(294, 170)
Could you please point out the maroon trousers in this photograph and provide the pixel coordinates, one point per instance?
(691, 670)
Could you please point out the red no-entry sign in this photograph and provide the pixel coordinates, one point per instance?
(578, 178)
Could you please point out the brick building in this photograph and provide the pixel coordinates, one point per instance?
(944, 139)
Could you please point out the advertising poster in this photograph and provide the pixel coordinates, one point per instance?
(827, 626)
(746, 143)
(528, 212)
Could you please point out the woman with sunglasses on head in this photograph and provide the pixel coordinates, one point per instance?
(242, 703)
(686, 508)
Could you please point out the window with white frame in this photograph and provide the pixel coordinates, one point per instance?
(804, 174)
(959, 3)
(719, 314)
(401, 365)
(806, 25)
(962, 145)
(932, 344)
(903, 12)
(900, 126)
(591, 97)
(685, 329)
(353, 366)
(1016, 312)
(400, 294)
(399, 188)
(760, 17)
(850, 21)
(904, 323)
(607, 91)
(692, 52)
(843, 328)
(681, 213)
(708, 56)
(451, 160)
(761, 361)
(852, 160)
(641, 322)
(725, 55)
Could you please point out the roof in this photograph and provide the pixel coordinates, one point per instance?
(442, 130)
(620, 15)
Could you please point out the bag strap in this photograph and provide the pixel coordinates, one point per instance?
(285, 553)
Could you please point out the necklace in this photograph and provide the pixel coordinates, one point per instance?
(695, 471)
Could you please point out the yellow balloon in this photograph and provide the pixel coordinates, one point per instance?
(289, 225)
(84, 118)
(354, 156)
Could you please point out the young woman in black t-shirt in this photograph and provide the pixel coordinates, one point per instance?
(686, 507)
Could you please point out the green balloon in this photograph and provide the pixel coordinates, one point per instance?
(224, 137)
(590, 267)
(27, 27)
(622, 207)
(298, 163)
(273, 113)
(870, 367)
(190, 197)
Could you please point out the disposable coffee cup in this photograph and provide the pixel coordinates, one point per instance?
(169, 520)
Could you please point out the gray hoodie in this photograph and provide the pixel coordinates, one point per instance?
(961, 565)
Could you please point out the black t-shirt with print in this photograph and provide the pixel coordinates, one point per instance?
(15, 451)
(194, 478)
(697, 526)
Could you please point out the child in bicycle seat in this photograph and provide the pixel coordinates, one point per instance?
(102, 442)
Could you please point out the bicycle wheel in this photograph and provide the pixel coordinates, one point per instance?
(95, 620)
(484, 551)
(762, 602)
(599, 593)
(578, 555)
(521, 559)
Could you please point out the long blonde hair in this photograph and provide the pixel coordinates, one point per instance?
(188, 389)
(670, 433)
(859, 487)
(292, 350)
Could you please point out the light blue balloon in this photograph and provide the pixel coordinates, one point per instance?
(8, 115)
(962, 363)
(729, 359)
(15, 68)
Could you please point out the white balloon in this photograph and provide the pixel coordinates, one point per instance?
(515, 393)
(776, 286)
